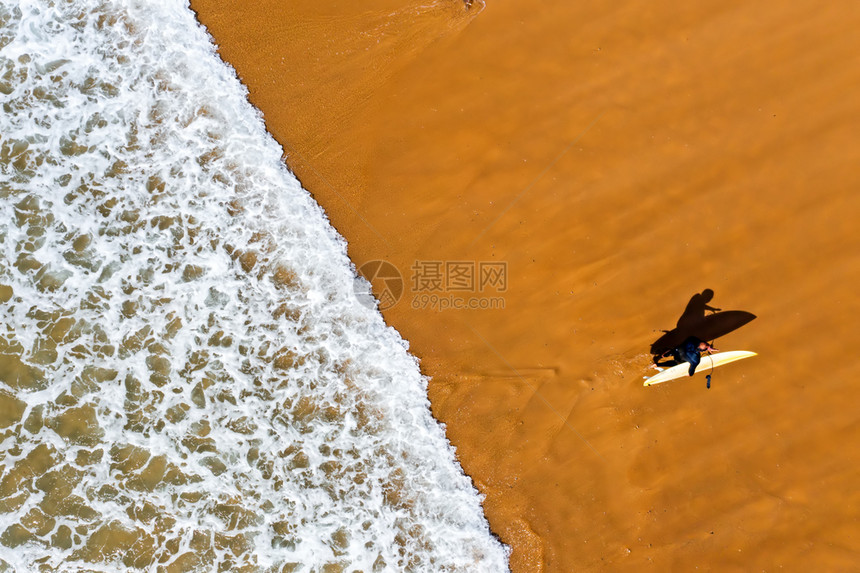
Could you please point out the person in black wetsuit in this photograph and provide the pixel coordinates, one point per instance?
(688, 351)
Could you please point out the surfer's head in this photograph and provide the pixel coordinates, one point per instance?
(707, 294)
(705, 347)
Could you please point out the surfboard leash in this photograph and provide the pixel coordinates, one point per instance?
(708, 377)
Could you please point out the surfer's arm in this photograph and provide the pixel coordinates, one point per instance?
(712, 308)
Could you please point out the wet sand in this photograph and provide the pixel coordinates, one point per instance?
(618, 159)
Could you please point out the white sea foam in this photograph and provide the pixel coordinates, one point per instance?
(188, 381)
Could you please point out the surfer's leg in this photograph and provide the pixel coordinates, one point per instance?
(676, 358)
(694, 360)
(673, 359)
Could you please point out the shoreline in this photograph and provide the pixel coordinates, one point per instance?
(596, 165)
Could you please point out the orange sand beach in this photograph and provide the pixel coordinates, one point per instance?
(607, 161)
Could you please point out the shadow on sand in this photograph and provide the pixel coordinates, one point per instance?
(696, 322)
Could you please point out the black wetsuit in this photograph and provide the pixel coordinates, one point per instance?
(687, 351)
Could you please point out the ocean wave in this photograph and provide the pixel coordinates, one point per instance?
(188, 380)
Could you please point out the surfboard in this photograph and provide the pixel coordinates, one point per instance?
(708, 361)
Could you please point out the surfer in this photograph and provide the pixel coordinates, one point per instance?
(688, 351)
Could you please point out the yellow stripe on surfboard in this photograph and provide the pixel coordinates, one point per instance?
(708, 361)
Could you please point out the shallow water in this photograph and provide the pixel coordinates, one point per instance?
(188, 381)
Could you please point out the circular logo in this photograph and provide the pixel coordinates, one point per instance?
(382, 278)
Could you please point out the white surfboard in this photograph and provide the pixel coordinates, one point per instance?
(708, 361)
